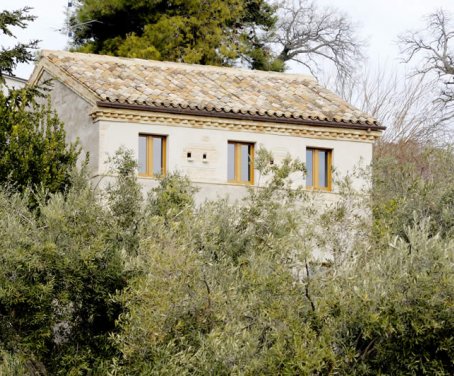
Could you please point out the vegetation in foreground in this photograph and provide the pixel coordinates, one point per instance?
(33, 150)
(112, 283)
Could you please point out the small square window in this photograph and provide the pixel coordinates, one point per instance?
(240, 167)
(152, 155)
(318, 165)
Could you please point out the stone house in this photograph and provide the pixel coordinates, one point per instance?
(204, 121)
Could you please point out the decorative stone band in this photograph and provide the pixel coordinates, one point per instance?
(190, 121)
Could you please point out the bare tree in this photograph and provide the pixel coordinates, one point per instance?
(312, 36)
(435, 47)
(406, 106)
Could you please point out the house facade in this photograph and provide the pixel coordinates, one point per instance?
(205, 122)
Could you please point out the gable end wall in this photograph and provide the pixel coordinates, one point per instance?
(75, 111)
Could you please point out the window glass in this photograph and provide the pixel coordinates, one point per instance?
(309, 163)
(245, 163)
(142, 154)
(322, 168)
(231, 162)
(157, 155)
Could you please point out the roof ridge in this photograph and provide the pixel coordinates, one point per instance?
(199, 67)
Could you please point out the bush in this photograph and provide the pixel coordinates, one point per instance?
(59, 270)
(218, 292)
(109, 283)
(33, 150)
(412, 179)
(390, 311)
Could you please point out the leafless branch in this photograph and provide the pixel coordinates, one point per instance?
(307, 282)
(434, 46)
(408, 106)
(311, 35)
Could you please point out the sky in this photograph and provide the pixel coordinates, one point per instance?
(379, 24)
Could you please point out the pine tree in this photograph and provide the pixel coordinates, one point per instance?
(213, 32)
(21, 52)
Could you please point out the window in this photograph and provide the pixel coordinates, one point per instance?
(240, 167)
(318, 165)
(152, 155)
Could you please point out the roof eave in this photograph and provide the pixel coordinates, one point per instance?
(240, 116)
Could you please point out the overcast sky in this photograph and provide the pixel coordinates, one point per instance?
(379, 23)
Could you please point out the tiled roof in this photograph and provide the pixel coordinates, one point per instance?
(207, 89)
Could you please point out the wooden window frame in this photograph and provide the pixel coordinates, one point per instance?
(237, 163)
(149, 155)
(315, 166)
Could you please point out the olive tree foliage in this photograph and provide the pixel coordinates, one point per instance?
(315, 37)
(390, 308)
(217, 283)
(236, 289)
(61, 266)
(433, 50)
(411, 179)
(111, 283)
(59, 270)
(124, 199)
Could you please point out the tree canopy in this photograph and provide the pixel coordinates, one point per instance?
(33, 149)
(257, 33)
(214, 32)
(105, 283)
(21, 52)
(314, 36)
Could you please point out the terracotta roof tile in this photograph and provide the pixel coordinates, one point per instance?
(205, 88)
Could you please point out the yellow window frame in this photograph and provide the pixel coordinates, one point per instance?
(237, 163)
(315, 169)
(149, 163)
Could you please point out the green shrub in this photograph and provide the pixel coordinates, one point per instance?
(107, 283)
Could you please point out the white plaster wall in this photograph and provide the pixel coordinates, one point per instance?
(205, 191)
(12, 83)
(74, 111)
(211, 176)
